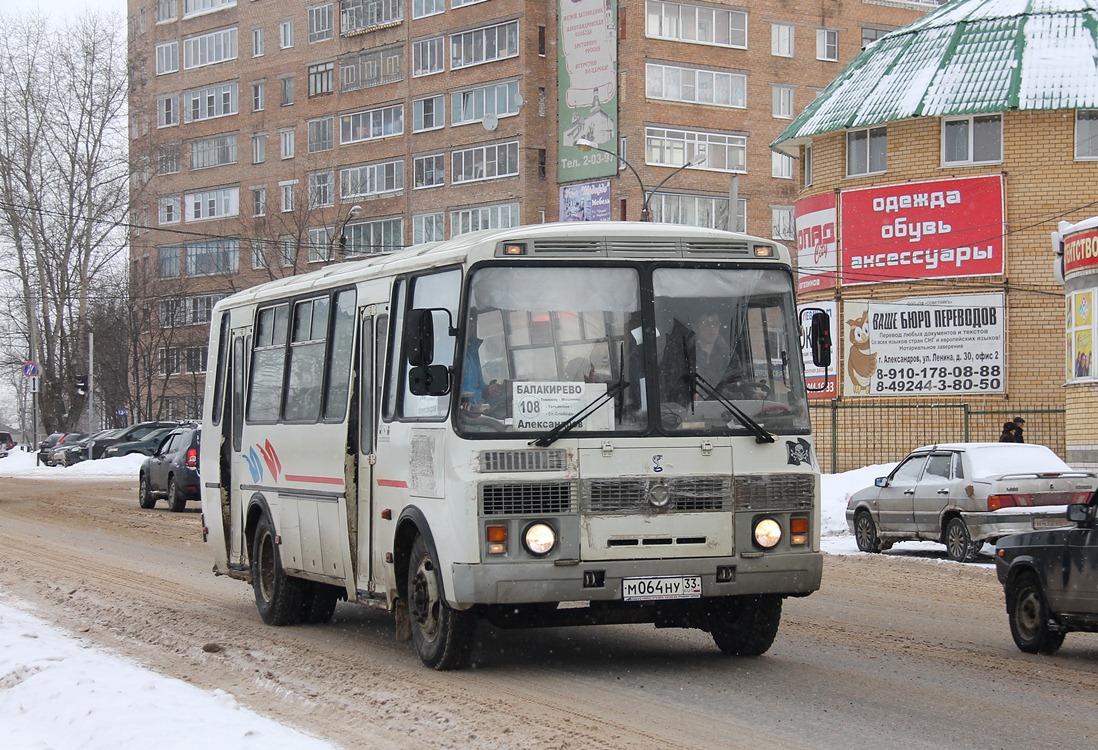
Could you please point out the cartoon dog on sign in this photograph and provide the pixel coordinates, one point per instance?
(861, 363)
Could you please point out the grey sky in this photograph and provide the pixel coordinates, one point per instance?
(59, 8)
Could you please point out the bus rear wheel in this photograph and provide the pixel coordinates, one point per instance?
(278, 596)
(443, 636)
(745, 625)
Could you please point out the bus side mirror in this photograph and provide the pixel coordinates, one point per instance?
(419, 338)
(429, 380)
(820, 338)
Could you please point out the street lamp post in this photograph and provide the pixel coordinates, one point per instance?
(352, 213)
(583, 144)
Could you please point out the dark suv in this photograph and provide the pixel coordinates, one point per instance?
(126, 435)
(172, 470)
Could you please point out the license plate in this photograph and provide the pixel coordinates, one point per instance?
(1049, 523)
(661, 587)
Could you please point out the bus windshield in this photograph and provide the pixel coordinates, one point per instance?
(542, 343)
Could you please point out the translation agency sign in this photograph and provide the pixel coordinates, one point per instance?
(937, 229)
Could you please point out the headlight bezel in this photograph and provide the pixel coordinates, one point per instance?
(767, 532)
(538, 548)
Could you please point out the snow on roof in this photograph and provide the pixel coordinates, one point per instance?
(966, 57)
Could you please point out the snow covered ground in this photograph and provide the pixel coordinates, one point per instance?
(58, 694)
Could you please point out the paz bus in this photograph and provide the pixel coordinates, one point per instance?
(514, 426)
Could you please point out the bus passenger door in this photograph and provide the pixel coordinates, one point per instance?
(234, 468)
(367, 429)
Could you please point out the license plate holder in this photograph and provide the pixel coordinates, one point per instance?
(1049, 522)
(655, 588)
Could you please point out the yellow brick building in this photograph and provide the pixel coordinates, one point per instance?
(933, 171)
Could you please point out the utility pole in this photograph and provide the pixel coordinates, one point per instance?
(91, 382)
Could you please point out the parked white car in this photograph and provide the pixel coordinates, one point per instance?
(965, 494)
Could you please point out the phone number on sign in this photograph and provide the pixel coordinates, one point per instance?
(941, 385)
(961, 371)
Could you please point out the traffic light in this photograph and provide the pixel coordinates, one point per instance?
(82, 385)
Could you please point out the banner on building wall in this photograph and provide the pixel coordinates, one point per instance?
(1080, 251)
(822, 384)
(587, 201)
(924, 346)
(1079, 326)
(817, 246)
(922, 230)
(587, 88)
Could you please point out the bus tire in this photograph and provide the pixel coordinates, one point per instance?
(443, 636)
(745, 625)
(319, 603)
(278, 596)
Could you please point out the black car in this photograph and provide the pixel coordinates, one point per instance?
(69, 453)
(1050, 577)
(147, 444)
(126, 435)
(49, 446)
(172, 471)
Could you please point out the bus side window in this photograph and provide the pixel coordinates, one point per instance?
(380, 351)
(220, 369)
(392, 376)
(440, 292)
(365, 399)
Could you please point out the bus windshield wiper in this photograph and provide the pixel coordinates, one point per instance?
(707, 389)
(570, 424)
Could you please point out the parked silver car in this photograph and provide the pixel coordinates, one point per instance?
(964, 494)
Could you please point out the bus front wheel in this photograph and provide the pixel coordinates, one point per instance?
(745, 625)
(278, 596)
(443, 636)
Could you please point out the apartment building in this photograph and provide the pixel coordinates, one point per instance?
(270, 137)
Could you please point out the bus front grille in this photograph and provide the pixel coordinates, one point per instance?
(545, 459)
(775, 492)
(525, 498)
(631, 495)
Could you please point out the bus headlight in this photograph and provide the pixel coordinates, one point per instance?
(539, 539)
(768, 533)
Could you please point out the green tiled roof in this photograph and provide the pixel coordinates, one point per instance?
(967, 57)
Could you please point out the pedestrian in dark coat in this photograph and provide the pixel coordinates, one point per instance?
(1018, 422)
(1008, 433)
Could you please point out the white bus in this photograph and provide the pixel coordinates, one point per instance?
(530, 426)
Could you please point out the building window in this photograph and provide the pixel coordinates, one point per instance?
(168, 359)
(321, 23)
(490, 162)
(286, 191)
(667, 147)
(382, 236)
(259, 95)
(677, 83)
(192, 7)
(287, 251)
(866, 151)
(428, 113)
(167, 111)
(807, 164)
(167, 58)
(320, 244)
(371, 180)
(321, 78)
(782, 101)
(501, 216)
(216, 203)
(259, 201)
(167, 157)
(286, 143)
(424, 8)
(259, 254)
(870, 34)
(781, 223)
(321, 189)
(462, 3)
(169, 206)
(287, 95)
(259, 148)
(286, 33)
(209, 257)
(429, 171)
(219, 100)
(257, 41)
(697, 210)
(471, 105)
(357, 15)
(428, 228)
(972, 140)
(209, 49)
(827, 45)
(168, 261)
(213, 152)
(698, 24)
(194, 358)
(1086, 134)
(321, 134)
(371, 124)
(165, 10)
(484, 45)
(428, 56)
(781, 40)
(781, 165)
(366, 69)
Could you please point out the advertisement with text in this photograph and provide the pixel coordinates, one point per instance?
(817, 245)
(924, 346)
(587, 70)
(923, 230)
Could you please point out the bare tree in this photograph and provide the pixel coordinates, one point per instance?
(63, 195)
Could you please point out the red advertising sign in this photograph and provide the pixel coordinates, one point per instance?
(817, 246)
(1080, 251)
(923, 230)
